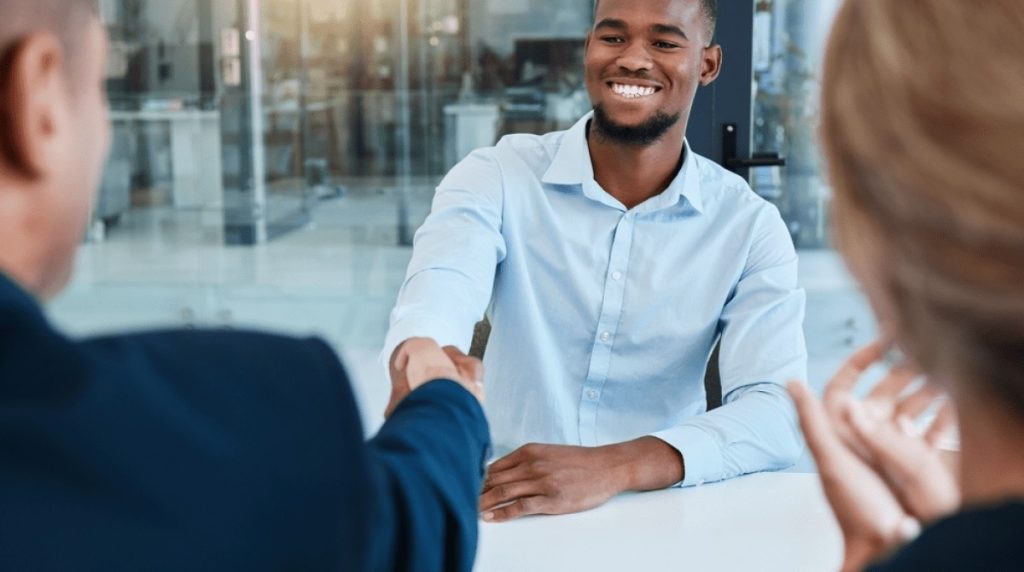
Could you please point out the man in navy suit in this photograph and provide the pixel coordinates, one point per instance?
(182, 450)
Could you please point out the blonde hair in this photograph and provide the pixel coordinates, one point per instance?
(923, 131)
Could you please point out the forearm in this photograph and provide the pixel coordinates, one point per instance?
(457, 249)
(438, 304)
(428, 466)
(441, 421)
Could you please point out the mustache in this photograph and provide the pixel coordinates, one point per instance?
(622, 74)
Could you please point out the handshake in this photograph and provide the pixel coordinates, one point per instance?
(420, 360)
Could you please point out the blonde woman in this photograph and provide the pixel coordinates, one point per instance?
(923, 129)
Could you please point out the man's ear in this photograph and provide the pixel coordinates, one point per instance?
(35, 91)
(711, 65)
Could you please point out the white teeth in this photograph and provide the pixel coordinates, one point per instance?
(632, 91)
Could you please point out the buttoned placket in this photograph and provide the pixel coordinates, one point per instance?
(608, 321)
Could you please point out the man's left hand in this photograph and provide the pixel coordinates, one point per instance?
(551, 479)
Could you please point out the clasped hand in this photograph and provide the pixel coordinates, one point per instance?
(419, 360)
(882, 475)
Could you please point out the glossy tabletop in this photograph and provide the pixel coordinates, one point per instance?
(762, 522)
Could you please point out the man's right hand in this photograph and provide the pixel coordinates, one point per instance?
(419, 360)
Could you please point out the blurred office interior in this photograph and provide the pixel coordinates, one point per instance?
(273, 158)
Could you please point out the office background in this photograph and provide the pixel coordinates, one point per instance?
(272, 159)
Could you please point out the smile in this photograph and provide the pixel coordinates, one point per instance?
(633, 91)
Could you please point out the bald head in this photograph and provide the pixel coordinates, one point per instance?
(65, 19)
(54, 135)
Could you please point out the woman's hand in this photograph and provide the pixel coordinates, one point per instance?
(882, 476)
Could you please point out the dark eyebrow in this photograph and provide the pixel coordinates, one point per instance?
(669, 29)
(611, 23)
(621, 26)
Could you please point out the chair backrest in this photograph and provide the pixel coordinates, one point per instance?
(712, 377)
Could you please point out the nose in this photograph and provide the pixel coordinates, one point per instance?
(635, 57)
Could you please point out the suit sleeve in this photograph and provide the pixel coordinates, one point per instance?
(427, 466)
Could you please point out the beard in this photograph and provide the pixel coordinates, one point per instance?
(646, 133)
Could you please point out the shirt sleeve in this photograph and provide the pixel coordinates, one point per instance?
(762, 348)
(455, 254)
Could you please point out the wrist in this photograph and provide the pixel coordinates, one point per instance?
(618, 464)
(858, 553)
(645, 464)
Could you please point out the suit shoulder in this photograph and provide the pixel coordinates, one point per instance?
(253, 357)
(225, 343)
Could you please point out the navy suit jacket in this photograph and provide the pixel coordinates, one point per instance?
(221, 451)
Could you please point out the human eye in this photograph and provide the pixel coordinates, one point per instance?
(612, 39)
(663, 45)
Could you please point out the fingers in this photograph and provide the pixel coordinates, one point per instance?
(511, 489)
(517, 473)
(397, 395)
(925, 488)
(817, 429)
(401, 361)
(470, 367)
(424, 361)
(521, 507)
(893, 384)
(944, 420)
(917, 402)
(508, 461)
(851, 371)
(508, 492)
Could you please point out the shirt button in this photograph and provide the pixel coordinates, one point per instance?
(606, 336)
(591, 394)
(616, 276)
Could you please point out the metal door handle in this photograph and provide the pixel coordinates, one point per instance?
(734, 163)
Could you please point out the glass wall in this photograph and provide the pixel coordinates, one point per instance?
(789, 40)
(272, 158)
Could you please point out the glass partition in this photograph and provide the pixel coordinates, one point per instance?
(273, 158)
(789, 41)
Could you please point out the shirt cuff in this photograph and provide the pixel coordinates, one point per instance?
(702, 456)
(426, 328)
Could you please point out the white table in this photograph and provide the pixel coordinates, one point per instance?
(763, 522)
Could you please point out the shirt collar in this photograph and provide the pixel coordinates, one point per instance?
(572, 165)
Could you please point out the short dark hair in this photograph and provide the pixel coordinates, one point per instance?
(710, 8)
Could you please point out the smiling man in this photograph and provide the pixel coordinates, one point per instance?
(609, 259)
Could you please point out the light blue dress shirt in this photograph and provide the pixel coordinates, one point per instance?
(604, 317)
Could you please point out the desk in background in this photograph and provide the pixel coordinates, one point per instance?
(195, 153)
(763, 523)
